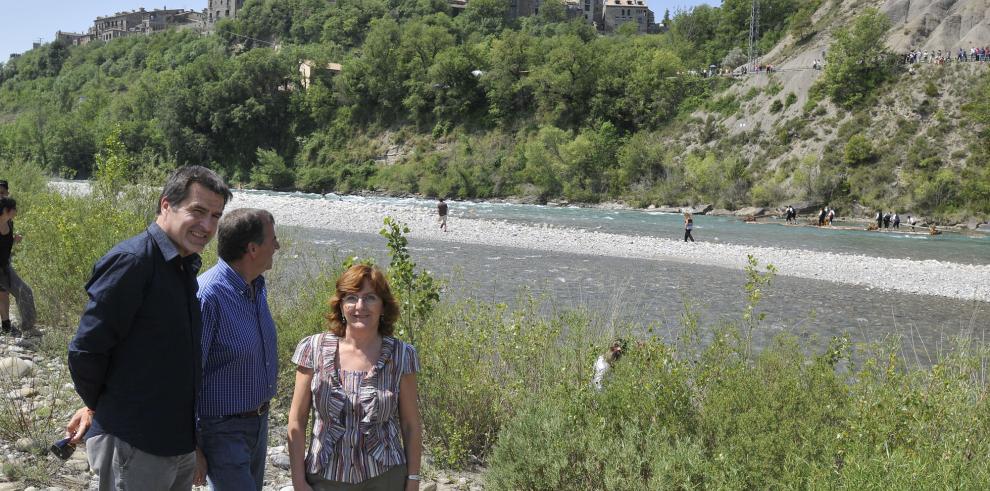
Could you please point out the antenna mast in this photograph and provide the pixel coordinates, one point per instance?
(754, 32)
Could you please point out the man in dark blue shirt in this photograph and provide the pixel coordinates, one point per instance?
(240, 362)
(135, 358)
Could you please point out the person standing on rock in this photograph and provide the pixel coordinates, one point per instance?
(136, 359)
(442, 213)
(10, 282)
(240, 359)
(688, 227)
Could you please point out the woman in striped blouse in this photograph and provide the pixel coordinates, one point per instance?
(361, 384)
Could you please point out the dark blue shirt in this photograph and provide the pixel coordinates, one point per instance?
(240, 362)
(135, 358)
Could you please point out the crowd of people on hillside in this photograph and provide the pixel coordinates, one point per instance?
(939, 57)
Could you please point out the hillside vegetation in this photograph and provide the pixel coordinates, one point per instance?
(543, 108)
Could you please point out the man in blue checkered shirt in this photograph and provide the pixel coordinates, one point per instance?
(239, 352)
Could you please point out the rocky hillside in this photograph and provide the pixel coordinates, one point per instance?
(914, 128)
(938, 24)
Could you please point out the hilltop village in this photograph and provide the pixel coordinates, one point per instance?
(605, 15)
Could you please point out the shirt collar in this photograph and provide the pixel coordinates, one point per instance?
(235, 280)
(169, 251)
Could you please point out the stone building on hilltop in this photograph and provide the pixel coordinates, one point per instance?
(606, 15)
(72, 38)
(142, 22)
(222, 9)
(615, 13)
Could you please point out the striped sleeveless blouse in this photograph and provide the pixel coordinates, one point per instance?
(356, 433)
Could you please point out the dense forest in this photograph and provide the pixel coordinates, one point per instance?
(474, 105)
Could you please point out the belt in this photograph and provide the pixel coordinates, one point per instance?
(258, 411)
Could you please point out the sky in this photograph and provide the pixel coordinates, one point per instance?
(26, 21)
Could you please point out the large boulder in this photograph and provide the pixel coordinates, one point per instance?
(698, 209)
(752, 211)
(13, 368)
(804, 207)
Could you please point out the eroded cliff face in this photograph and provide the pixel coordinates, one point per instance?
(938, 24)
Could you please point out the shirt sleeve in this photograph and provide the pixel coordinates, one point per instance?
(410, 360)
(304, 353)
(116, 292)
(211, 323)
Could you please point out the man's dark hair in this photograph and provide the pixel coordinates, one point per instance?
(7, 203)
(4, 184)
(239, 228)
(177, 187)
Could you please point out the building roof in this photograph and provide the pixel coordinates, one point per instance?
(626, 3)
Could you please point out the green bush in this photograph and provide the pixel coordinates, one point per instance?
(271, 171)
(790, 99)
(632, 435)
(858, 151)
(776, 106)
(857, 62)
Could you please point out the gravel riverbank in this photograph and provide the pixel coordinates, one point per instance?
(929, 277)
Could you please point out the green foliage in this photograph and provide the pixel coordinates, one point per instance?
(801, 25)
(539, 107)
(857, 61)
(858, 151)
(112, 167)
(938, 191)
(64, 235)
(417, 291)
(719, 180)
(790, 99)
(271, 171)
(716, 416)
(818, 182)
(727, 105)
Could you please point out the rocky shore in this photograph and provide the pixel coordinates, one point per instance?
(929, 277)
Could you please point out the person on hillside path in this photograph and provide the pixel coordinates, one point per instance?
(240, 355)
(136, 358)
(10, 282)
(897, 220)
(442, 213)
(688, 227)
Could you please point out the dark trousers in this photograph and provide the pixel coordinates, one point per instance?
(235, 450)
(687, 235)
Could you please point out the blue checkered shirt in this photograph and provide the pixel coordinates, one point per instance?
(239, 358)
